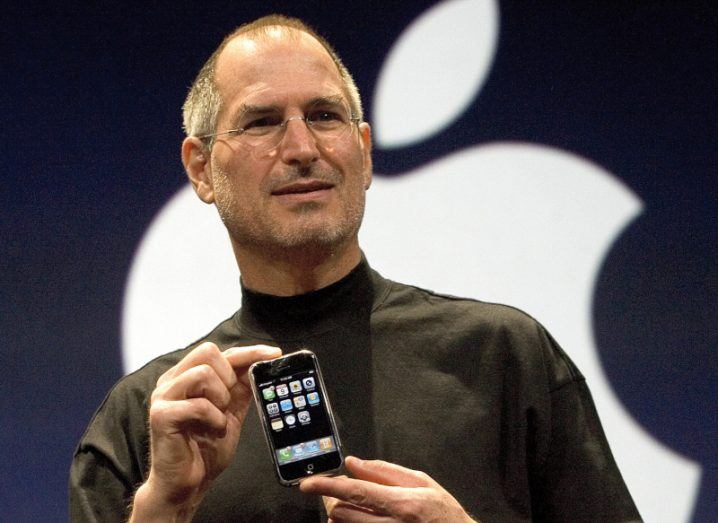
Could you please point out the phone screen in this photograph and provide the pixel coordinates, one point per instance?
(296, 414)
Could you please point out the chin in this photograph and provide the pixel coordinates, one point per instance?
(322, 235)
(311, 239)
(312, 226)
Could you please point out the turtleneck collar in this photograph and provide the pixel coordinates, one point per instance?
(293, 318)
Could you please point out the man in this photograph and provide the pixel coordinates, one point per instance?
(478, 397)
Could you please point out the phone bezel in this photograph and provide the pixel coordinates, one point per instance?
(285, 362)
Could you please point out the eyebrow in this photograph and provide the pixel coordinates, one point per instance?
(245, 109)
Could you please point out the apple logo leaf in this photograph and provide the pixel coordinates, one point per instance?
(434, 70)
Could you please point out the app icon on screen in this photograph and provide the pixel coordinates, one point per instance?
(277, 424)
(291, 420)
(282, 390)
(308, 383)
(326, 443)
(312, 446)
(295, 386)
(285, 454)
(272, 409)
(303, 416)
(313, 398)
(286, 405)
(299, 401)
(268, 393)
(298, 450)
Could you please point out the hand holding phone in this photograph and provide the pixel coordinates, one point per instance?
(195, 418)
(296, 416)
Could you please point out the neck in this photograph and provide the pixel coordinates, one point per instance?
(298, 270)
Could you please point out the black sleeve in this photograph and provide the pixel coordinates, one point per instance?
(97, 489)
(577, 479)
(111, 459)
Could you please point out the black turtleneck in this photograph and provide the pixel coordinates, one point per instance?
(477, 395)
(334, 323)
(291, 319)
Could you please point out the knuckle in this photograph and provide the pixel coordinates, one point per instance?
(410, 510)
(403, 509)
(202, 408)
(157, 394)
(207, 349)
(166, 376)
(204, 372)
(358, 496)
(158, 414)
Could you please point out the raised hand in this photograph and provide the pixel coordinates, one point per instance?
(196, 416)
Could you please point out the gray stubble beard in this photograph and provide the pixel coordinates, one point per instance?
(276, 238)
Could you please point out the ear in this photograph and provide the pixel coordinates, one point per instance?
(365, 142)
(195, 157)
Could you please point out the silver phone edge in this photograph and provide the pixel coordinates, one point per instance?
(265, 429)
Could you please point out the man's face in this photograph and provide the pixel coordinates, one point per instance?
(305, 192)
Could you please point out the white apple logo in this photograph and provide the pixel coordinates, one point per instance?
(515, 223)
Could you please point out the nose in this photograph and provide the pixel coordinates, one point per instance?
(298, 145)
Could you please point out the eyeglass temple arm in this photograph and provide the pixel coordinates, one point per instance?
(354, 119)
(201, 137)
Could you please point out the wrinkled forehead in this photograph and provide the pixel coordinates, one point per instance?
(275, 66)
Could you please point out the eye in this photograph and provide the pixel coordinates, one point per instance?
(325, 115)
(262, 122)
(326, 118)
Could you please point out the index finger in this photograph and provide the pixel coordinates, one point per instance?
(386, 473)
(242, 357)
(206, 353)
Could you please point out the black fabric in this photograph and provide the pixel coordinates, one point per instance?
(477, 395)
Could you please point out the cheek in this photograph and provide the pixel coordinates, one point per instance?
(353, 162)
(242, 174)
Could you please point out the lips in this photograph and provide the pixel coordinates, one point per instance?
(302, 187)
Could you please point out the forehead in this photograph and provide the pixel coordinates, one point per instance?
(276, 69)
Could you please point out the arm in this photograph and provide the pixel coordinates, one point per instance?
(573, 474)
(579, 477)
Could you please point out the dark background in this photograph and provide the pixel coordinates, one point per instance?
(90, 100)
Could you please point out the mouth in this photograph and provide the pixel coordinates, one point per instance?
(303, 188)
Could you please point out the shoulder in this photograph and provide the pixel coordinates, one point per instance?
(415, 303)
(485, 333)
